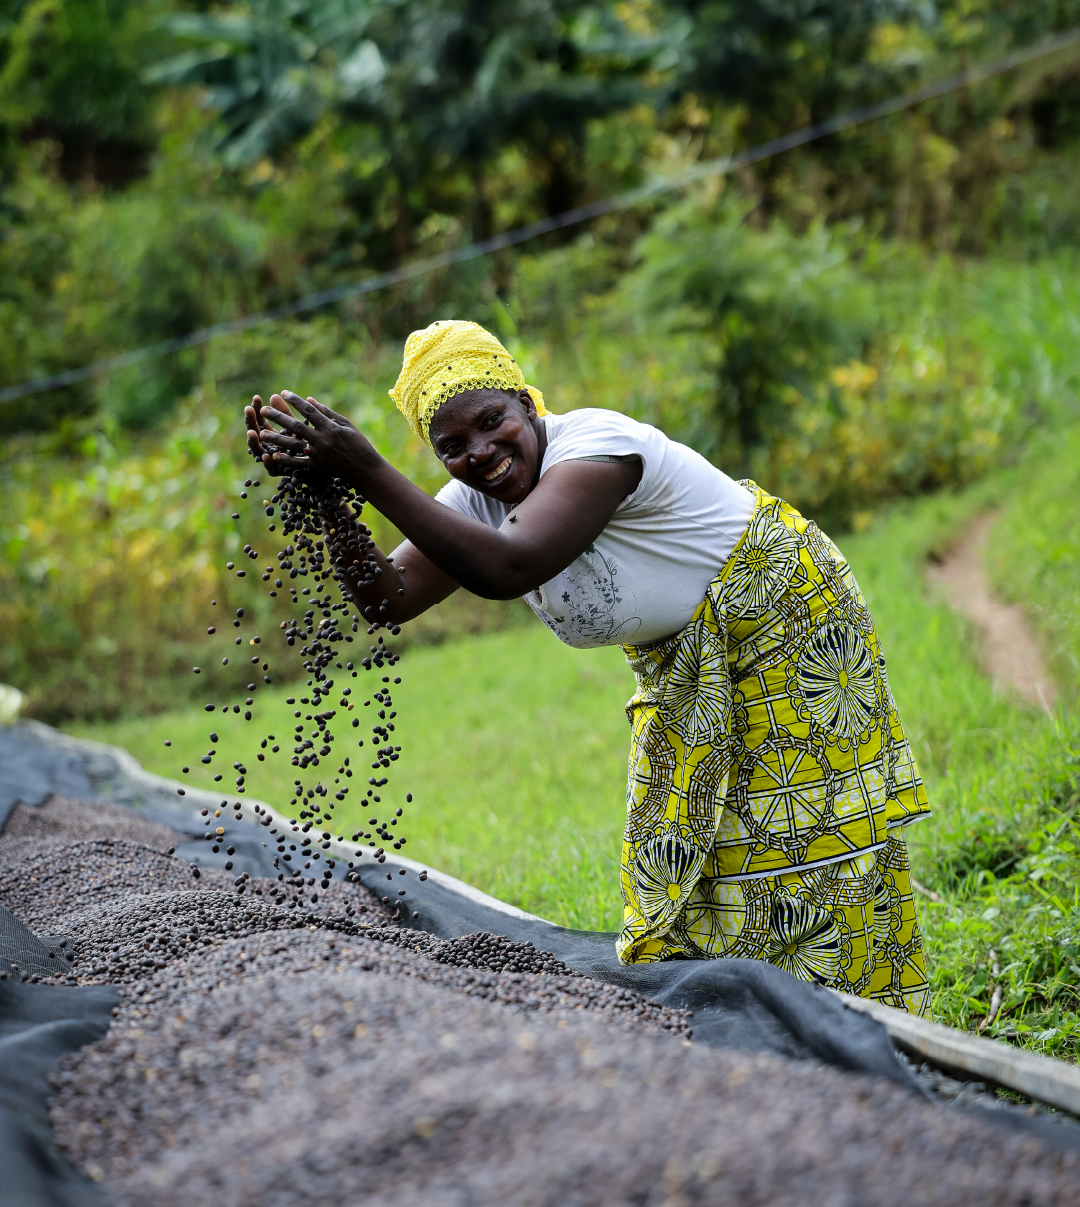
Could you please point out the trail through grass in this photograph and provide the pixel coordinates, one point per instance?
(1002, 848)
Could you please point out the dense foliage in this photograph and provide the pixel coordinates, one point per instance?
(165, 165)
(813, 323)
(905, 375)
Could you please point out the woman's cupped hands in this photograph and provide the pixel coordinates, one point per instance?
(321, 440)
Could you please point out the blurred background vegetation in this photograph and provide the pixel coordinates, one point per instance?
(848, 322)
(883, 326)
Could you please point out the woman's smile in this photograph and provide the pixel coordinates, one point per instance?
(500, 470)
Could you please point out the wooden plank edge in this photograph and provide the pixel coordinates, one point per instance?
(1039, 1077)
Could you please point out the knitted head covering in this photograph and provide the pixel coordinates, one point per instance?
(448, 358)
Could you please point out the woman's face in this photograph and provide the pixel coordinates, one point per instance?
(490, 440)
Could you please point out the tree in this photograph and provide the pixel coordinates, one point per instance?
(445, 84)
(70, 71)
(773, 312)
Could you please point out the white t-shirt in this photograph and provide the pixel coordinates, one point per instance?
(646, 573)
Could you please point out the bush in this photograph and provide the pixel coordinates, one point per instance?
(834, 369)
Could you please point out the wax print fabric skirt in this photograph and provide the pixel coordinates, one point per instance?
(770, 778)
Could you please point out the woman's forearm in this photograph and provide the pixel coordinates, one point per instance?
(375, 584)
(483, 560)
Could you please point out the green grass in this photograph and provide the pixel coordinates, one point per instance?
(1005, 851)
(1035, 551)
(515, 748)
(1002, 848)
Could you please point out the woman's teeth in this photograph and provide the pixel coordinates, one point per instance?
(498, 471)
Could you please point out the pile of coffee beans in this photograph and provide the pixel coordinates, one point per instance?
(289, 1068)
(494, 952)
(62, 817)
(120, 912)
(47, 885)
(143, 926)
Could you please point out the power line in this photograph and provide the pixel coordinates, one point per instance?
(582, 213)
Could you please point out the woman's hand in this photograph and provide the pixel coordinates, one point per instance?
(257, 427)
(326, 443)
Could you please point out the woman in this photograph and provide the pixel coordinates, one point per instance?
(769, 773)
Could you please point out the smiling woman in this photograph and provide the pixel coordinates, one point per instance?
(769, 772)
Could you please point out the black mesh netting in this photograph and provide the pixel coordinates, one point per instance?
(22, 952)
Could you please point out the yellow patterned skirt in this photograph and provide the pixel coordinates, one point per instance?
(770, 777)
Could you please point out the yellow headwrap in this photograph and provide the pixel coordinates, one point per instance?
(448, 358)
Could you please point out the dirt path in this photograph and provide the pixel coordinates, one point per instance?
(1009, 647)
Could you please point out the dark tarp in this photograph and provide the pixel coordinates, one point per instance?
(38, 1024)
(744, 1004)
(736, 1003)
(31, 772)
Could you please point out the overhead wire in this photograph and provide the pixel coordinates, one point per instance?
(543, 226)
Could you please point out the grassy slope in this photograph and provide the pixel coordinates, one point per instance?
(1003, 780)
(1008, 856)
(515, 748)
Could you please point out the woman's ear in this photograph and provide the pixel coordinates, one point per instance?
(526, 400)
